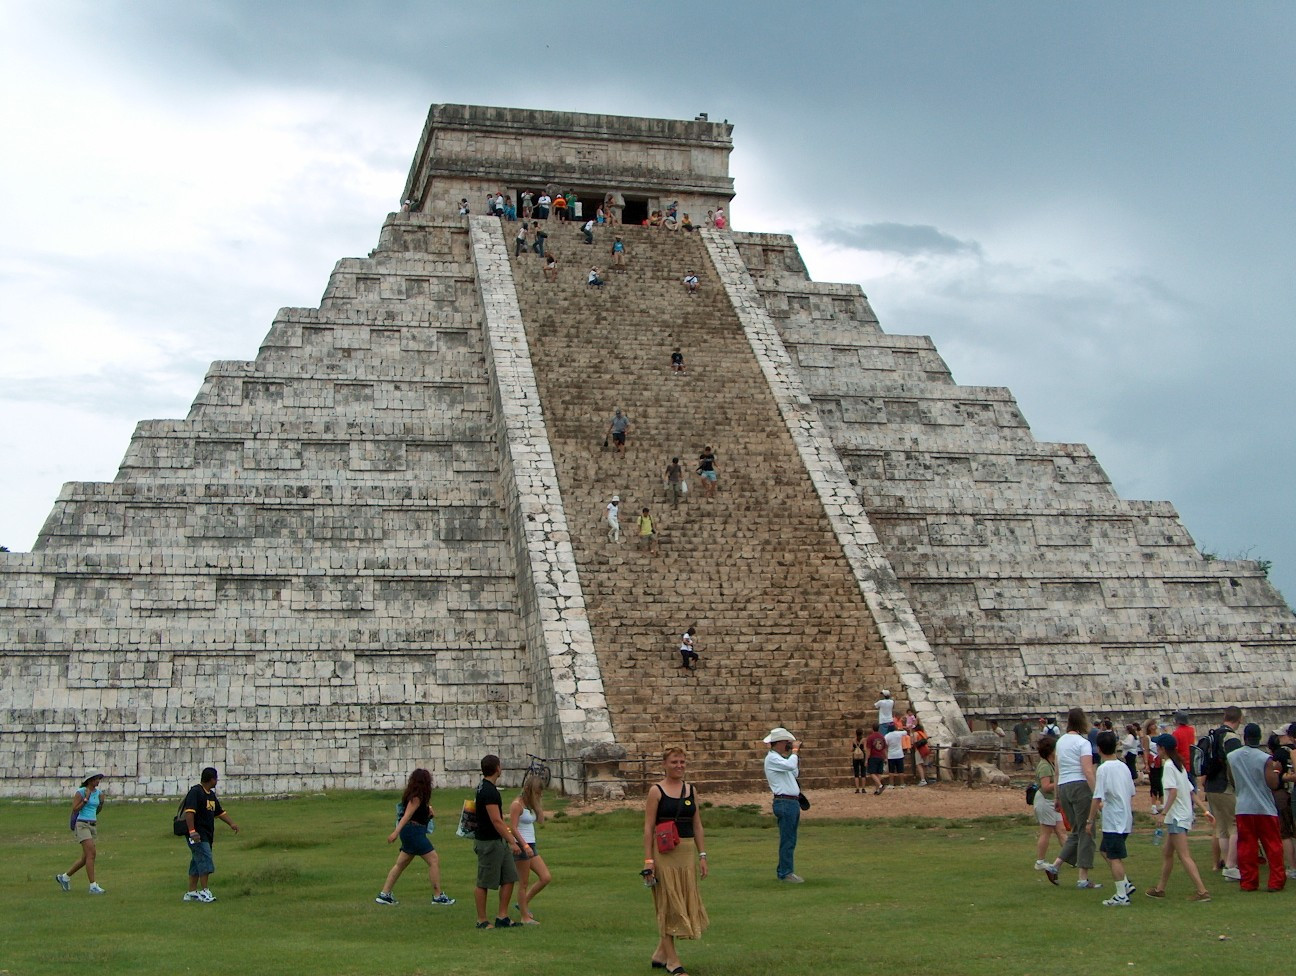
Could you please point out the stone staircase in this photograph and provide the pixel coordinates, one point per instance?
(784, 634)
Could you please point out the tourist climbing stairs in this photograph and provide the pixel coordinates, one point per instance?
(784, 635)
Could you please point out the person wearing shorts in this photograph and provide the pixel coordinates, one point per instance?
(494, 840)
(617, 428)
(201, 809)
(706, 469)
(85, 827)
(895, 755)
(647, 531)
(414, 821)
(875, 746)
(1113, 797)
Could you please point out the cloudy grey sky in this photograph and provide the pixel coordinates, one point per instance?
(1090, 204)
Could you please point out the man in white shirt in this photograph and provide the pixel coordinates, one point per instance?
(1114, 796)
(886, 712)
(782, 767)
(895, 756)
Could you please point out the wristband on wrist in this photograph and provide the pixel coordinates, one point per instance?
(701, 853)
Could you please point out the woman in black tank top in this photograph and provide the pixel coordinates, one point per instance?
(673, 874)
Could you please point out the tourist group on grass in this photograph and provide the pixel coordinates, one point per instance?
(1083, 796)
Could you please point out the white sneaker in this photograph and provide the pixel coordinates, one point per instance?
(94, 889)
(1117, 900)
(1291, 874)
(922, 782)
(1231, 874)
(64, 881)
(191, 896)
(1042, 865)
(1155, 809)
(206, 897)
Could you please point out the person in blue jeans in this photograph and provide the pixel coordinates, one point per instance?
(782, 767)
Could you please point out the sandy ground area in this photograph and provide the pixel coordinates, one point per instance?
(952, 801)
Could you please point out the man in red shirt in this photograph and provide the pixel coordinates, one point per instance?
(1185, 741)
(875, 749)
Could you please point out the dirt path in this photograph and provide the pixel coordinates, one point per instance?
(948, 801)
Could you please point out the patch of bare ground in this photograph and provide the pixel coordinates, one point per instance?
(948, 801)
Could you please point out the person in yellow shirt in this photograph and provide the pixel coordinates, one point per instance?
(647, 533)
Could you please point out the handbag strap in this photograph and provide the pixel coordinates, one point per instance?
(685, 792)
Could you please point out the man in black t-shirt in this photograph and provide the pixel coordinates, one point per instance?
(495, 867)
(201, 809)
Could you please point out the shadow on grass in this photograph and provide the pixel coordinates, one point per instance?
(284, 843)
(266, 878)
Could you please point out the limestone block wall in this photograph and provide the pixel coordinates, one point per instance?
(1036, 585)
(926, 687)
(309, 581)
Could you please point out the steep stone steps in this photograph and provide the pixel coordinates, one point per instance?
(784, 634)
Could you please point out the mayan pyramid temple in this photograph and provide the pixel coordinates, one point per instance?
(380, 543)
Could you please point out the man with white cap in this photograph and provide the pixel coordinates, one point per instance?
(782, 767)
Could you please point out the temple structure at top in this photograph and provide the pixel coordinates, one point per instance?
(467, 151)
(384, 541)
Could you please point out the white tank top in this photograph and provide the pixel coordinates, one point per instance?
(526, 825)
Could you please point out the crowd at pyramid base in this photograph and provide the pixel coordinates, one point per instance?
(383, 542)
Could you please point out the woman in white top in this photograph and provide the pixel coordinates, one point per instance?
(1177, 818)
(1131, 749)
(524, 813)
(1073, 758)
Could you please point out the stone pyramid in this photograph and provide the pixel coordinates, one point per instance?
(379, 544)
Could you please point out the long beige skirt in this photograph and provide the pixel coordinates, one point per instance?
(680, 911)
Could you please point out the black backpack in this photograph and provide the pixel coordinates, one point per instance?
(1210, 747)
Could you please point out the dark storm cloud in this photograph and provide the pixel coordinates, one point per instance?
(908, 240)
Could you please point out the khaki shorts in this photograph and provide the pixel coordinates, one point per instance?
(495, 865)
(1223, 806)
(85, 831)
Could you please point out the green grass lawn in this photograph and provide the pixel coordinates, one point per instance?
(296, 890)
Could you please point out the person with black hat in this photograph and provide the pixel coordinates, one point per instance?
(782, 767)
(1177, 818)
(86, 803)
(1255, 776)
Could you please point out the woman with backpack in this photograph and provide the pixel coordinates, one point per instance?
(413, 824)
(1180, 797)
(858, 764)
(86, 802)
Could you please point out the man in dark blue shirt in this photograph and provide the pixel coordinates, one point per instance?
(201, 809)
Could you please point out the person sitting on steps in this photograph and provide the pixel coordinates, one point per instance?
(688, 656)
